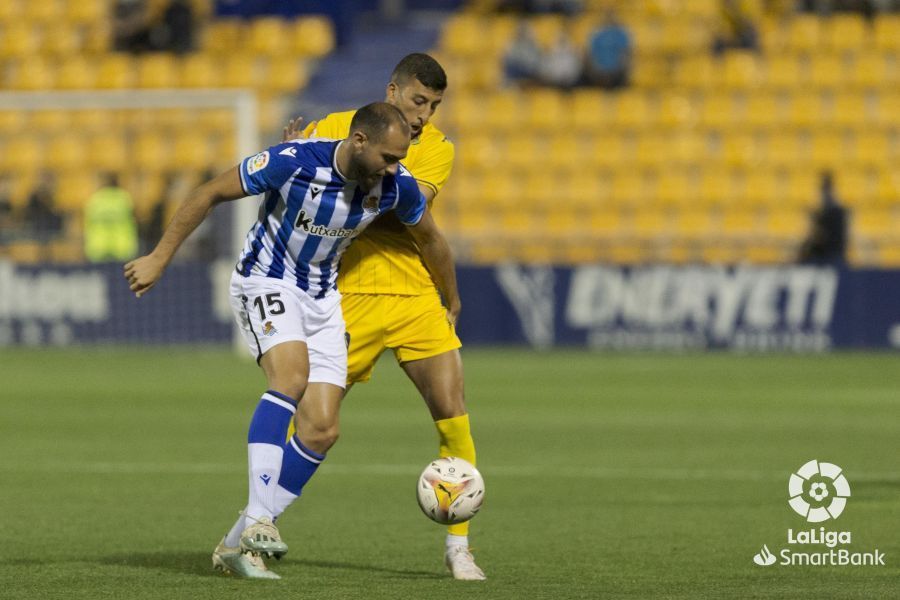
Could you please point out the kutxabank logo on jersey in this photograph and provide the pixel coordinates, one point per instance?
(818, 492)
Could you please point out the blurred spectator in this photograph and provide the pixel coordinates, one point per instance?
(522, 60)
(561, 65)
(131, 26)
(867, 8)
(827, 240)
(110, 231)
(609, 54)
(566, 7)
(42, 222)
(738, 30)
(175, 32)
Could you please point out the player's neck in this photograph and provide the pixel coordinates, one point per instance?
(342, 160)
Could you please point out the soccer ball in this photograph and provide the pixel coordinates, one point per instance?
(450, 490)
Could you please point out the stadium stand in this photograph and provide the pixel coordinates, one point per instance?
(702, 158)
(50, 46)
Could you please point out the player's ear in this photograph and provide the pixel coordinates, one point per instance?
(359, 139)
(391, 91)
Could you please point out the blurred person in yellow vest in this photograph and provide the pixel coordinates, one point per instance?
(110, 230)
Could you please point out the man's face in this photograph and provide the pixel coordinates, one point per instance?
(372, 160)
(415, 101)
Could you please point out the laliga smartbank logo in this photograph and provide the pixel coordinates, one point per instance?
(818, 491)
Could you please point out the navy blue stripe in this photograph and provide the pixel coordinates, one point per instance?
(256, 245)
(281, 396)
(315, 455)
(354, 216)
(389, 194)
(323, 216)
(295, 197)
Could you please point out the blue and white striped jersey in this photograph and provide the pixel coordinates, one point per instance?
(310, 213)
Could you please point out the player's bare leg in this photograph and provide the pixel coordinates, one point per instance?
(439, 380)
(317, 421)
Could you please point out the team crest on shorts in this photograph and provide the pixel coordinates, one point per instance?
(269, 329)
(370, 204)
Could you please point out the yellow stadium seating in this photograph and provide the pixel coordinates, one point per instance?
(73, 190)
(115, 71)
(696, 71)
(590, 110)
(65, 152)
(198, 71)
(503, 111)
(44, 11)
(846, 32)
(787, 225)
(804, 33)
(151, 151)
(887, 32)
(108, 152)
(763, 188)
(785, 71)
(76, 73)
(740, 223)
(158, 70)
(870, 70)
(828, 70)
(84, 11)
(60, 39)
(313, 36)
(267, 36)
(828, 150)
(222, 36)
(674, 188)
(741, 70)
(545, 109)
(33, 73)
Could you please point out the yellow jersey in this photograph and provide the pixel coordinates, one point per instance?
(384, 259)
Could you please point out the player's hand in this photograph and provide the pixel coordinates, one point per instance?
(143, 273)
(453, 309)
(293, 130)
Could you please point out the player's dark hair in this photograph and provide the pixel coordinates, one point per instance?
(374, 120)
(424, 68)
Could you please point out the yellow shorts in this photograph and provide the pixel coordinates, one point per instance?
(414, 327)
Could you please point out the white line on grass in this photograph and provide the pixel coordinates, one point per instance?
(664, 474)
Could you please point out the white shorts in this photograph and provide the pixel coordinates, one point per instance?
(271, 312)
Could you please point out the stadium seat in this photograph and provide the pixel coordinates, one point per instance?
(695, 225)
(787, 224)
(765, 110)
(742, 150)
(97, 37)
(762, 188)
(846, 32)
(198, 71)
(22, 151)
(827, 71)
(237, 71)
(223, 36)
(873, 224)
(462, 35)
(84, 11)
(107, 151)
(76, 73)
(151, 151)
(887, 32)
(267, 36)
(686, 147)
(805, 109)
(740, 224)
(628, 189)
(285, 74)
(674, 188)
(65, 152)
(525, 150)
(696, 72)
(676, 110)
(313, 36)
(590, 110)
(115, 71)
(73, 190)
(784, 71)
(804, 33)
(650, 223)
(828, 150)
(605, 223)
(190, 150)
(45, 11)
(158, 70)
(871, 148)
(632, 109)
(716, 188)
(718, 110)
(504, 111)
(32, 74)
(870, 70)
(60, 40)
(741, 70)
(546, 109)
(803, 188)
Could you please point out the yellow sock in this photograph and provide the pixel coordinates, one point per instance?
(456, 440)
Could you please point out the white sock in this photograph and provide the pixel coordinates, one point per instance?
(265, 465)
(233, 539)
(457, 540)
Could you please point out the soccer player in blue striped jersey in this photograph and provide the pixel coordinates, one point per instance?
(319, 195)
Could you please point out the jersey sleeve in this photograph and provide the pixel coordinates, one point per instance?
(433, 168)
(410, 201)
(270, 169)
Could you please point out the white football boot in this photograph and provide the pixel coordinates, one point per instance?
(231, 561)
(462, 564)
(262, 539)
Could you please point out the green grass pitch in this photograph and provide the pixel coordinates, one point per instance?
(608, 476)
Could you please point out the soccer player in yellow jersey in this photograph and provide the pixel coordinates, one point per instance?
(389, 299)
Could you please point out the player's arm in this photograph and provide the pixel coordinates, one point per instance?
(142, 273)
(438, 258)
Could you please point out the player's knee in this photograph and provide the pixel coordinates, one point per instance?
(321, 437)
(291, 384)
